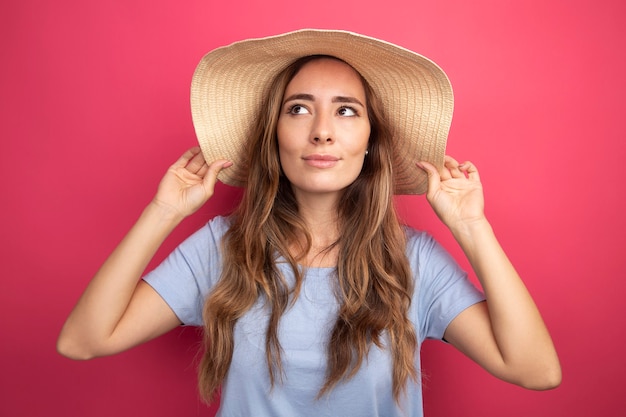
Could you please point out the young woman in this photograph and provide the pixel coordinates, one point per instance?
(313, 297)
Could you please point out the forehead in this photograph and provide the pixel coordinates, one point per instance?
(327, 72)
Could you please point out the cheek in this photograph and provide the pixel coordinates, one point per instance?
(360, 140)
(284, 152)
(366, 135)
(283, 138)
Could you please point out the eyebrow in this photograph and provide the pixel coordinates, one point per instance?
(310, 97)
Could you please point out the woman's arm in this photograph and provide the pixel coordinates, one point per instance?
(117, 310)
(505, 335)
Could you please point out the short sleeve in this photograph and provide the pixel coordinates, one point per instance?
(187, 275)
(442, 290)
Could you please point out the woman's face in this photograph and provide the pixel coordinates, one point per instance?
(323, 128)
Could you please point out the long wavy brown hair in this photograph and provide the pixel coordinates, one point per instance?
(374, 283)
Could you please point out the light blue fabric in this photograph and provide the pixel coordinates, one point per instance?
(442, 291)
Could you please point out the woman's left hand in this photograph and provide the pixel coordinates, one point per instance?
(455, 192)
(506, 335)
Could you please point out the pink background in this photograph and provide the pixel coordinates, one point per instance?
(94, 100)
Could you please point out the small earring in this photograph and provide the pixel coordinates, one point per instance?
(366, 152)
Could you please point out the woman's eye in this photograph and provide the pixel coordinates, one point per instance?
(297, 109)
(347, 111)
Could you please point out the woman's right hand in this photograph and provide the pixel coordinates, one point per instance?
(188, 183)
(117, 310)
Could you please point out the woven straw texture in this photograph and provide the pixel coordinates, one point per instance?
(230, 82)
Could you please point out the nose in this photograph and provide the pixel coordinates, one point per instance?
(322, 129)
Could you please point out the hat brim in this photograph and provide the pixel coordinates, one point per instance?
(230, 83)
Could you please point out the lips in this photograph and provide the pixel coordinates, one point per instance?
(321, 161)
(320, 158)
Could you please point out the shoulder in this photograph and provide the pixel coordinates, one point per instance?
(418, 242)
(426, 256)
(217, 227)
(201, 250)
(209, 234)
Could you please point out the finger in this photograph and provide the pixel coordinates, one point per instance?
(470, 169)
(444, 173)
(452, 166)
(195, 164)
(211, 176)
(434, 178)
(186, 157)
(203, 170)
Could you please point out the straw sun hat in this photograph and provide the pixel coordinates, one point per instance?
(230, 83)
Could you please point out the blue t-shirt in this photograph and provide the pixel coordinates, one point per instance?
(441, 292)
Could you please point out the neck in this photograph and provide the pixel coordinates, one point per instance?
(320, 215)
(319, 211)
